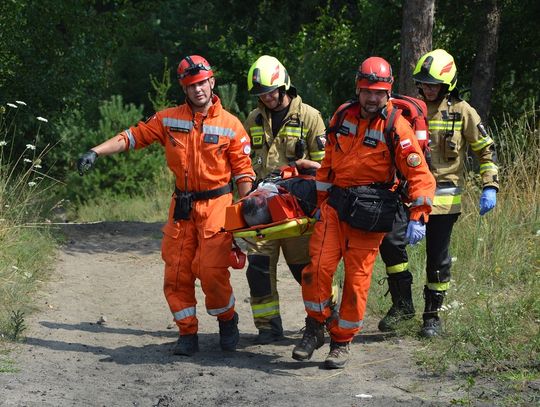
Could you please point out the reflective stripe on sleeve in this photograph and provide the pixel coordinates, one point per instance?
(421, 200)
(323, 186)
(216, 311)
(184, 313)
(131, 139)
(482, 143)
(317, 155)
(485, 167)
(291, 131)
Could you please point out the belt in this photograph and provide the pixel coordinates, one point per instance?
(202, 195)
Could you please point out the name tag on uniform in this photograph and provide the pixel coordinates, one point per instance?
(211, 138)
(179, 129)
(370, 142)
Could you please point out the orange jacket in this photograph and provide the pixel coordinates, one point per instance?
(203, 152)
(357, 154)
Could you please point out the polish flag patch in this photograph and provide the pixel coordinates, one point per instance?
(405, 144)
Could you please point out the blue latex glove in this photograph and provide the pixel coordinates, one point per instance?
(488, 200)
(317, 214)
(416, 231)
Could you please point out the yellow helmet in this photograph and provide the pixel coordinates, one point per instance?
(437, 66)
(266, 75)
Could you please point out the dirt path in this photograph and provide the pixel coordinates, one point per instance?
(114, 270)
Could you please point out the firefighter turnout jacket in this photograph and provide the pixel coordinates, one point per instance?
(454, 124)
(302, 122)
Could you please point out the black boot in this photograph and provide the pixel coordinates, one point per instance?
(272, 334)
(432, 324)
(402, 308)
(229, 334)
(313, 339)
(186, 345)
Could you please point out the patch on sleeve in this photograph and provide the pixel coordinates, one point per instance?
(247, 149)
(414, 160)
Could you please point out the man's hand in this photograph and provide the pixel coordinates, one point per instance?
(488, 200)
(307, 164)
(416, 231)
(86, 161)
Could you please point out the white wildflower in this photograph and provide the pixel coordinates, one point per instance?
(26, 160)
(12, 105)
(42, 119)
(27, 274)
(30, 147)
(6, 205)
(454, 259)
(20, 102)
(3, 143)
(480, 239)
(37, 166)
(31, 184)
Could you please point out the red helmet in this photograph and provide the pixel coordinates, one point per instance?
(374, 73)
(193, 69)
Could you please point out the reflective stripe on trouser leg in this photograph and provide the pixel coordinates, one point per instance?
(393, 247)
(262, 280)
(211, 266)
(361, 249)
(438, 257)
(325, 251)
(179, 281)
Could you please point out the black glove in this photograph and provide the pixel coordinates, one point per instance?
(86, 161)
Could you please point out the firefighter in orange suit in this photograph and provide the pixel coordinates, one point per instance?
(360, 156)
(208, 150)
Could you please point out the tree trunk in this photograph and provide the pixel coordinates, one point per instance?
(484, 64)
(416, 32)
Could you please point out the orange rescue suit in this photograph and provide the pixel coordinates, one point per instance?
(204, 153)
(357, 154)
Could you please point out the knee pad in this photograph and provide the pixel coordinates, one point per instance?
(258, 275)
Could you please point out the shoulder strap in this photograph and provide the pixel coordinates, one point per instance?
(390, 131)
(340, 116)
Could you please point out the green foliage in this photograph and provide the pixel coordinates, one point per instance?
(26, 247)
(122, 174)
(161, 88)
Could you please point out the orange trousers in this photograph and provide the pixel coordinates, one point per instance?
(332, 240)
(189, 255)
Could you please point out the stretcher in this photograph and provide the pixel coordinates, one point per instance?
(302, 226)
